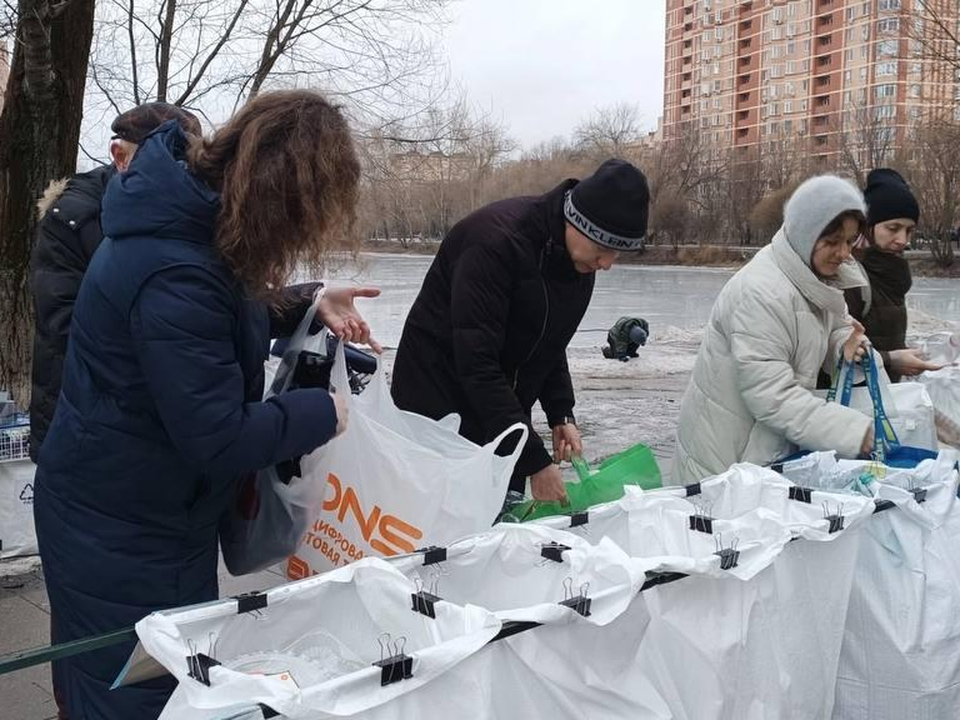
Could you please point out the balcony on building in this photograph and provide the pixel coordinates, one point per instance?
(747, 117)
(747, 82)
(825, 84)
(824, 104)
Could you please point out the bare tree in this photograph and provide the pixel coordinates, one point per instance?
(867, 140)
(784, 159)
(423, 177)
(610, 132)
(39, 133)
(936, 181)
(377, 56)
(934, 28)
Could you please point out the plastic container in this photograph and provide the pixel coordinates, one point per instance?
(942, 348)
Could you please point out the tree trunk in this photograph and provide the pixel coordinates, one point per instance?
(39, 140)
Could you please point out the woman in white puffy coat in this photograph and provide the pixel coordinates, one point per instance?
(775, 324)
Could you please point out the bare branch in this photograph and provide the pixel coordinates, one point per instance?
(166, 38)
(214, 53)
(133, 53)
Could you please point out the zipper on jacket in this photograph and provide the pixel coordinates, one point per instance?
(543, 327)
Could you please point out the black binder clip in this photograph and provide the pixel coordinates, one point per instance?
(199, 664)
(919, 493)
(578, 519)
(701, 520)
(251, 602)
(693, 489)
(801, 494)
(580, 604)
(553, 551)
(433, 555)
(394, 664)
(729, 556)
(835, 519)
(423, 601)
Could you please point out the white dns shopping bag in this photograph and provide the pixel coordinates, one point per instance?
(901, 647)
(396, 481)
(944, 388)
(311, 650)
(580, 661)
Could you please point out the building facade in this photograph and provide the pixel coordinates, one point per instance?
(836, 74)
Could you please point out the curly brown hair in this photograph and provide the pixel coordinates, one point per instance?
(288, 175)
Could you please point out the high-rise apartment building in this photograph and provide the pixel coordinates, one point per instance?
(835, 73)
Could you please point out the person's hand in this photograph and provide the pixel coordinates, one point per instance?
(856, 345)
(566, 442)
(547, 485)
(909, 362)
(866, 447)
(339, 314)
(343, 412)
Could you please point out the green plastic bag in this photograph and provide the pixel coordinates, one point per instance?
(636, 466)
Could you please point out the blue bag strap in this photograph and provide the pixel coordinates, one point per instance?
(885, 437)
(844, 370)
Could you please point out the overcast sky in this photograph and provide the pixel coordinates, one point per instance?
(543, 65)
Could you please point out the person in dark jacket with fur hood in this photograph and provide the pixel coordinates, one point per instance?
(67, 236)
(486, 337)
(161, 411)
(892, 217)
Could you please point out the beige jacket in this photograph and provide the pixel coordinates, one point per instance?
(773, 327)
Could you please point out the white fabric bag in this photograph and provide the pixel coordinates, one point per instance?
(944, 388)
(395, 481)
(310, 650)
(573, 666)
(758, 640)
(901, 648)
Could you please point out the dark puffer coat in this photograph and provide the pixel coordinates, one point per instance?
(487, 335)
(68, 235)
(159, 416)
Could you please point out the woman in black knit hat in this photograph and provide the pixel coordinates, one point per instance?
(892, 217)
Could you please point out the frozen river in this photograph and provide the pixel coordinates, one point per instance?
(680, 297)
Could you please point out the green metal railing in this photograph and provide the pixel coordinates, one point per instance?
(38, 656)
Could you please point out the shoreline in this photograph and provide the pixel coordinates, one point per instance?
(707, 256)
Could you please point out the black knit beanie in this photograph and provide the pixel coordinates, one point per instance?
(888, 197)
(610, 207)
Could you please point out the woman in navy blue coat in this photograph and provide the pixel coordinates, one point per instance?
(161, 412)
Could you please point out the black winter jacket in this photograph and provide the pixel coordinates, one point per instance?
(68, 235)
(885, 321)
(487, 335)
